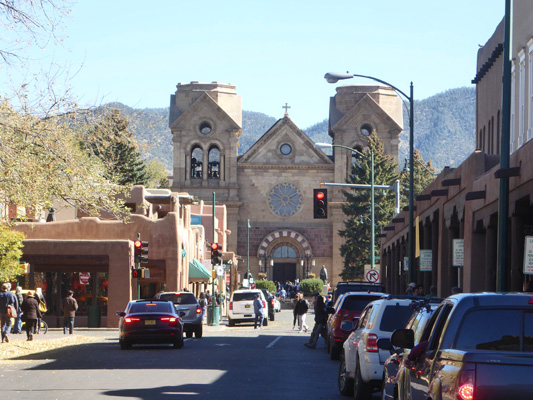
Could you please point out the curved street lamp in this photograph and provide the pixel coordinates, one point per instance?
(372, 203)
(334, 77)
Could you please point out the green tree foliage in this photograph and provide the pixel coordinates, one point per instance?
(157, 175)
(112, 142)
(310, 286)
(10, 253)
(423, 176)
(357, 208)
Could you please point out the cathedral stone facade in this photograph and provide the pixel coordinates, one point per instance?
(268, 190)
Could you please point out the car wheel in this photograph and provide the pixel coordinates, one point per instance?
(345, 384)
(124, 346)
(231, 322)
(265, 322)
(189, 334)
(198, 331)
(361, 389)
(334, 352)
(272, 317)
(178, 344)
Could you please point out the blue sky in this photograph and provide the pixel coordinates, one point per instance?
(275, 52)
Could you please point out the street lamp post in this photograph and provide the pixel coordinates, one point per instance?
(372, 204)
(334, 77)
(305, 265)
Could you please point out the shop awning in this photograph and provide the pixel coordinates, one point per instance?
(197, 270)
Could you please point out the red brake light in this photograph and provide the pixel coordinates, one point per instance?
(264, 304)
(169, 319)
(531, 301)
(198, 309)
(231, 305)
(129, 320)
(151, 304)
(371, 344)
(466, 385)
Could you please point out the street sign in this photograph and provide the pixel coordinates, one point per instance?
(372, 276)
(458, 252)
(426, 260)
(528, 255)
(85, 278)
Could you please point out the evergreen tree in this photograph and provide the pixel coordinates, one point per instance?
(423, 176)
(112, 141)
(357, 208)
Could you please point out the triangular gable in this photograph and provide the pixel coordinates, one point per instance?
(202, 103)
(366, 103)
(284, 130)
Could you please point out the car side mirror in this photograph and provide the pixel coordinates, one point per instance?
(347, 326)
(330, 310)
(121, 314)
(404, 338)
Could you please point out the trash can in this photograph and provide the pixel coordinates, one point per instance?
(213, 318)
(93, 317)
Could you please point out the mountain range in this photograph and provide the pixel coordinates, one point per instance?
(444, 129)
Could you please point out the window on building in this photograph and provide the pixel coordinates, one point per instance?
(197, 156)
(284, 252)
(513, 109)
(530, 91)
(522, 98)
(213, 169)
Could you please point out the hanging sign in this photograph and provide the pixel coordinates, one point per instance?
(85, 278)
(458, 252)
(426, 260)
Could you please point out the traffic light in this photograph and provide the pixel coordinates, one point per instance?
(141, 251)
(215, 254)
(320, 203)
(137, 273)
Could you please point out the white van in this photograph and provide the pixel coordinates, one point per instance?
(241, 306)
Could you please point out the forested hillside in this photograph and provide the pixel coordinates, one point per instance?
(444, 129)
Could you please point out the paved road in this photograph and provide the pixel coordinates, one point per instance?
(227, 363)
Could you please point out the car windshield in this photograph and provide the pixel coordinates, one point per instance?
(357, 303)
(151, 308)
(244, 296)
(179, 298)
(395, 317)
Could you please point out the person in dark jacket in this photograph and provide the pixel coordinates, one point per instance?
(258, 310)
(321, 318)
(30, 308)
(300, 309)
(6, 299)
(69, 306)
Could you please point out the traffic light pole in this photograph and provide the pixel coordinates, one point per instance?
(139, 278)
(213, 298)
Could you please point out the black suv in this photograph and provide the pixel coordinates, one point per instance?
(356, 286)
(269, 299)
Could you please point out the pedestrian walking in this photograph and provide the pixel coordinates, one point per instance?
(69, 306)
(258, 310)
(17, 326)
(202, 301)
(321, 318)
(301, 308)
(42, 307)
(7, 299)
(31, 313)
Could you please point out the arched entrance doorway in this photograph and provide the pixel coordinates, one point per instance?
(281, 254)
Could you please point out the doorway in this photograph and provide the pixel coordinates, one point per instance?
(284, 272)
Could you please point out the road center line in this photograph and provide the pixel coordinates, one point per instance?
(273, 342)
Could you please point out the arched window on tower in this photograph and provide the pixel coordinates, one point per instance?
(197, 155)
(213, 169)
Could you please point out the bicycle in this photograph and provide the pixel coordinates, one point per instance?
(42, 328)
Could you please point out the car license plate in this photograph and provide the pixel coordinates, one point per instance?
(247, 306)
(149, 322)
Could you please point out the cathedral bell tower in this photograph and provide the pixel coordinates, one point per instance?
(205, 120)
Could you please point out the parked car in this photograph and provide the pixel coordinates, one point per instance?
(241, 307)
(188, 308)
(423, 311)
(150, 321)
(356, 286)
(475, 346)
(348, 306)
(361, 368)
(269, 297)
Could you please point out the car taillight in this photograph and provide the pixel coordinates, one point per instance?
(198, 309)
(272, 302)
(169, 319)
(129, 320)
(371, 344)
(231, 305)
(465, 385)
(264, 304)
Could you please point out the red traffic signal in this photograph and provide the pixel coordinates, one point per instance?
(215, 254)
(320, 203)
(141, 251)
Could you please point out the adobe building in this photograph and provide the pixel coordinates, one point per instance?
(94, 256)
(268, 190)
(459, 210)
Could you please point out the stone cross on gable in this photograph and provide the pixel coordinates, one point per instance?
(286, 107)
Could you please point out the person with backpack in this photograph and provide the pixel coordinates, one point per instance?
(301, 308)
